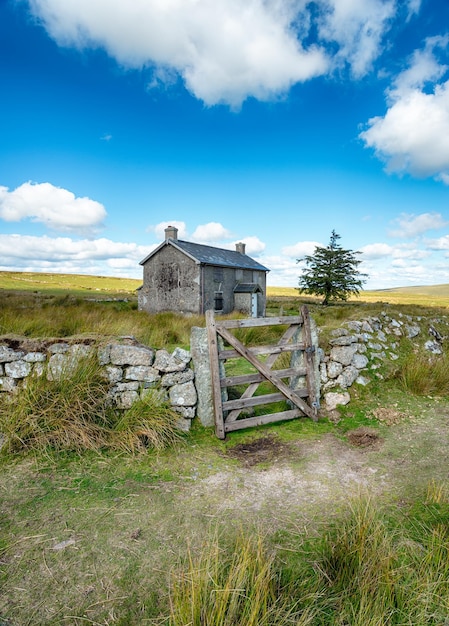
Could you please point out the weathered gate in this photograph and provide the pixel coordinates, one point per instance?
(296, 384)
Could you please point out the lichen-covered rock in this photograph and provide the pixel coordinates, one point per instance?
(188, 412)
(17, 369)
(359, 361)
(8, 384)
(343, 354)
(433, 347)
(412, 331)
(175, 362)
(183, 394)
(334, 369)
(8, 354)
(177, 378)
(35, 357)
(58, 348)
(130, 355)
(348, 376)
(332, 399)
(143, 373)
(345, 340)
(126, 399)
(114, 373)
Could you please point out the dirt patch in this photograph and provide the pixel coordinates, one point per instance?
(364, 437)
(259, 450)
(388, 416)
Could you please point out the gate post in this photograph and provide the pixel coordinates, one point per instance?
(215, 374)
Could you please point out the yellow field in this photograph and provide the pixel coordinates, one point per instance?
(432, 296)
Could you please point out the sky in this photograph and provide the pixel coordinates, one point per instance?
(271, 122)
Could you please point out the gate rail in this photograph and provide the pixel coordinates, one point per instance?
(305, 399)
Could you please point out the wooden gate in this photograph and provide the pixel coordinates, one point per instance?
(304, 399)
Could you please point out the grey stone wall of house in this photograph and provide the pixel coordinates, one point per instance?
(171, 282)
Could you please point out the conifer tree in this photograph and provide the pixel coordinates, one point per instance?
(332, 272)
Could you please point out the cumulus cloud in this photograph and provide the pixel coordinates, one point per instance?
(442, 243)
(64, 254)
(413, 136)
(410, 225)
(376, 251)
(226, 50)
(52, 206)
(212, 231)
(358, 29)
(159, 229)
(253, 245)
(300, 249)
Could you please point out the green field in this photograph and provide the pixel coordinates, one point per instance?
(81, 285)
(78, 285)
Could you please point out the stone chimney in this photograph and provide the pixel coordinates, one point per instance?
(240, 247)
(171, 232)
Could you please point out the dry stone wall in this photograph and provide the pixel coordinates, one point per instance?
(358, 349)
(131, 369)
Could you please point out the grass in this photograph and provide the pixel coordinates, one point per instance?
(145, 543)
(72, 412)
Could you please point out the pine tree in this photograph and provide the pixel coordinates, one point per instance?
(332, 272)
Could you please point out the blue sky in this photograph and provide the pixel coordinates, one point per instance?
(271, 122)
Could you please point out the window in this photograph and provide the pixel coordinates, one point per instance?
(218, 274)
(218, 301)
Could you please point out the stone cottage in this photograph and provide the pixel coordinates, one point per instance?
(192, 278)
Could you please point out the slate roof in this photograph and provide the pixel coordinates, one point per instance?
(209, 255)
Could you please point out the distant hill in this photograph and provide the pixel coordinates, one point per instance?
(82, 285)
(76, 284)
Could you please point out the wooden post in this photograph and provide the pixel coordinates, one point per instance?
(310, 363)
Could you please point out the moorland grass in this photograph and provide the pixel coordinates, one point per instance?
(73, 412)
(368, 566)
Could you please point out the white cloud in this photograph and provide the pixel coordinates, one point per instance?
(227, 50)
(159, 229)
(300, 249)
(54, 207)
(213, 231)
(63, 254)
(358, 28)
(253, 245)
(376, 251)
(442, 243)
(412, 225)
(413, 136)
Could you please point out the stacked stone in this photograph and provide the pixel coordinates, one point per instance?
(131, 370)
(361, 346)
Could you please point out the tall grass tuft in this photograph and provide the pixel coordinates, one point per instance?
(150, 423)
(234, 587)
(422, 374)
(67, 413)
(74, 413)
(358, 564)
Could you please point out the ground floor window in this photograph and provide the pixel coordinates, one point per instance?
(218, 300)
